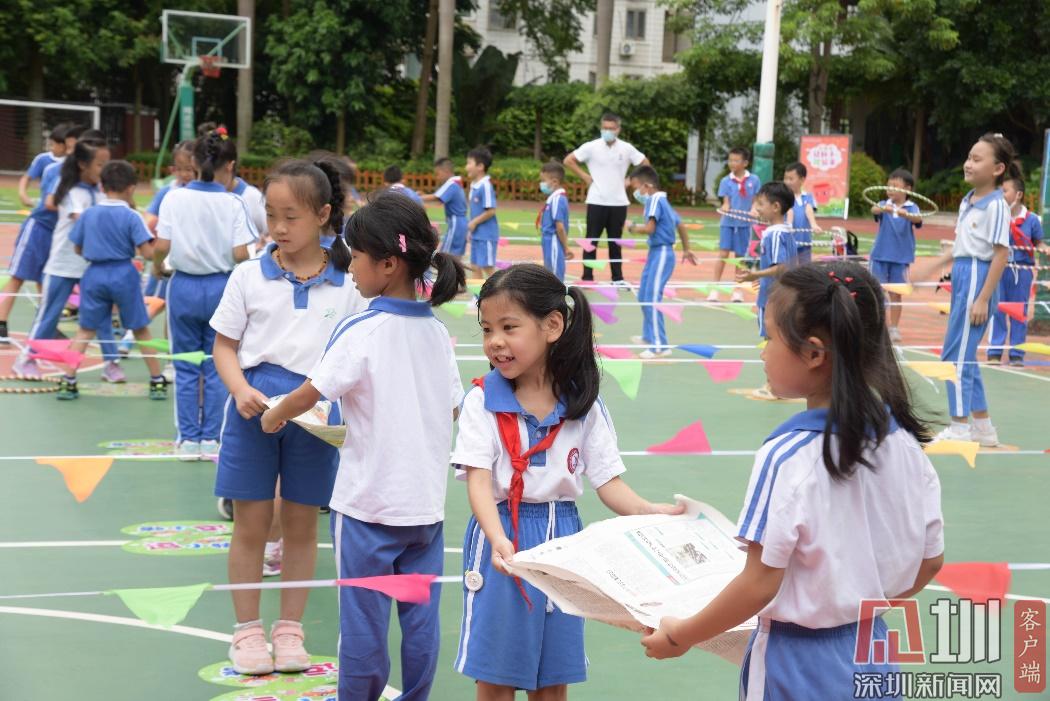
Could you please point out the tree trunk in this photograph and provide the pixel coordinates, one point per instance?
(136, 126)
(340, 132)
(419, 132)
(537, 136)
(35, 135)
(820, 54)
(604, 43)
(916, 154)
(446, 25)
(245, 84)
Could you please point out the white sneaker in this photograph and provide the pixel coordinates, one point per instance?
(189, 451)
(987, 439)
(26, 367)
(169, 373)
(951, 433)
(713, 297)
(738, 295)
(637, 340)
(649, 354)
(895, 335)
(209, 449)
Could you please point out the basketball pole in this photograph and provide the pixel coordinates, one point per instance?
(762, 163)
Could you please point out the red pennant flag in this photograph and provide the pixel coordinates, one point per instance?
(409, 588)
(723, 370)
(672, 310)
(979, 581)
(946, 286)
(614, 353)
(1014, 310)
(691, 439)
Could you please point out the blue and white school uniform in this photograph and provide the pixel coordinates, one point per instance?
(394, 374)
(800, 226)
(454, 198)
(659, 264)
(485, 239)
(501, 640)
(735, 234)
(255, 201)
(408, 192)
(894, 248)
(839, 542)
(109, 235)
(39, 164)
(204, 223)
(555, 210)
(983, 224)
(64, 268)
(33, 244)
(1026, 232)
(158, 287)
(777, 247)
(281, 326)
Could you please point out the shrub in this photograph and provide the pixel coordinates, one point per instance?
(864, 172)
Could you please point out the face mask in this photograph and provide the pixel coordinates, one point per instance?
(641, 198)
(608, 136)
(545, 188)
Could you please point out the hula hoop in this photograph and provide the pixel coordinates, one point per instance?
(908, 193)
(28, 390)
(741, 215)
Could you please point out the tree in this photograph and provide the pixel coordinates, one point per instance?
(553, 29)
(481, 90)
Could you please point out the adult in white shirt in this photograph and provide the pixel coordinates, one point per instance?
(608, 159)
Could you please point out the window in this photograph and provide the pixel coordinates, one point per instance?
(498, 20)
(635, 24)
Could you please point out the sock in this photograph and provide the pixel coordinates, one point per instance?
(960, 426)
(156, 378)
(983, 425)
(247, 624)
(71, 379)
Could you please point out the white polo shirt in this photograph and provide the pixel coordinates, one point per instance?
(63, 260)
(982, 225)
(204, 223)
(278, 319)
(255, 201)
(608, 165)
(840, 541)
(394, 374)
(583, 447)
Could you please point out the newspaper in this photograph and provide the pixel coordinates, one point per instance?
(315, 422)
(631, 571)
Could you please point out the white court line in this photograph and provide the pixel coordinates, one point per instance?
(116, 543)
(1014, 597)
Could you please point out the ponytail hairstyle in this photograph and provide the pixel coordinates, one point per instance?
(394, 225)
(315, 185)
(212, 151)
(843, 304)
(571, 363)
(1005, 154)
(83, 154)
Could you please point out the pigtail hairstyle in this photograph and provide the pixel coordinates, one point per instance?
(83, 154)
(393, 225)
(1005, 154)
(571, 362)
(316, 185)
(212, 151)
(340, 252)
(842, 304)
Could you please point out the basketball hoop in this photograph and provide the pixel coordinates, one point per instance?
(210, 66)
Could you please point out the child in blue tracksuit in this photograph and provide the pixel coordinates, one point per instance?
(802, 219)
(661, 223)
(778, 249)
(979, 256)
(737, 190)
(554, 219)
(1026, 234)
(452, 195)
(482, 227)
(894, 249)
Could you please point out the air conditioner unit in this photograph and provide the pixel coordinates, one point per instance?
(626, 48)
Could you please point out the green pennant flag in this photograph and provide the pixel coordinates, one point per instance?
(454, 309)
(473, 288)
(195, 357)
(707, 245)
(161, 345)
(627, 373)
(702, 289)
(596, 264)
(161, 606)
(741, 311)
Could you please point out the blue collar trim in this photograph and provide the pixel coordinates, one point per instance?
(206, 187)
(272, 271)
(814, 420)
(499, 396)
(239, 186)
(401, 307)
(983, 203)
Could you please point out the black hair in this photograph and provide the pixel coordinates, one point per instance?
(315, 185)
(377, 228)
(797, 167)
(75, 131)
(904, 176)
(481, 155)
(1005, 154)
(83, 154)
(186, 145)
(779, 193)
(611, 117)
(843, 304)
(444, 162)
(392, 175)
(647, 174)
(742, 152)
(212, 151)
(341, 164)
(571, 363)
(554, 168)
(118, 176)
(1018, 184)
(205, 128)
(59, 132)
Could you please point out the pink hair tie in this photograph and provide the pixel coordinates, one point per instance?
(402, 244)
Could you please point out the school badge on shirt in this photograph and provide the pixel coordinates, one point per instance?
(573, 460)
(329, 313)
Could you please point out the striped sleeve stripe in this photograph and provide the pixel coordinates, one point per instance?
(776, 469)
(764, 485)
(490, 195)
(442, 190)
(346, 324)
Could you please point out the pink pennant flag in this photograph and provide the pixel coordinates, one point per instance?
(54, 349)
(605, 312)
(670, 292)
(629, 243)
(502, 264)
(723, 370)
(672, 310)
(607, 291)
(452, 340)
(586, 244)
(74, 300)
(691, 439)
(979, 581)
(408, 588)
(614, 353)
(639, 259)
(503, 242)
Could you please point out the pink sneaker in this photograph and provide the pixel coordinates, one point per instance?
(289, 655)
(248, 651)
(113, 373)
(26, 367)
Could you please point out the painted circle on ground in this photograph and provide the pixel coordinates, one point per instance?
(280, 692)
(322, 670)
(142, 446)
(157, 529)
(752, 395)
(180, 545)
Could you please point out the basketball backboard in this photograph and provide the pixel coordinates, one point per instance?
(186, 36)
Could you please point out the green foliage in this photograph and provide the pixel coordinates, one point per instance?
(481, 90)
(552, 27)
(863, 172)
(272, 137)
(944, 182)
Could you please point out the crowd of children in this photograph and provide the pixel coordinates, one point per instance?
(292, 301)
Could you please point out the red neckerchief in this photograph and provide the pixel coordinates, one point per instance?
(507, 422)
(539, 217)
(742, 183)
(1018, 236)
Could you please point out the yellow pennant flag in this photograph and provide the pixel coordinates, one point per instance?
(898, 288)
(82, 475)
(512, 225)
(941, 306)
(967, 450)
(933, 369)
(1032, 347)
